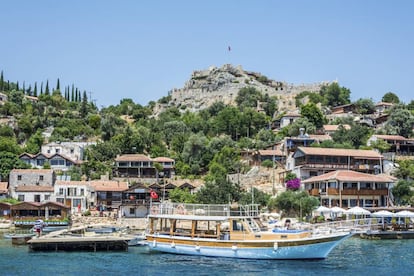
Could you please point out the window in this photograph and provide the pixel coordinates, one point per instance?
(76, 202)
(20, 197)
(41, 178)
(61, 191)
(60, 200)
(57, 150)
(72, 150)
(132, 211)
(82, 192)
(19, 177)
(36, 198)
(47, 197)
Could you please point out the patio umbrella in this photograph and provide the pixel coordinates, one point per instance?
(405, 214)
(337, 210)
(357, 211)
(322, 210)
(382, 214)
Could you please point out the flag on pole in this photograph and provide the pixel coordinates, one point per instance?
(153, 194)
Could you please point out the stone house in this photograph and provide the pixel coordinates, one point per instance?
(31, 185)
(345, 188)
(307, 162)
(142, 166)
(71, 150)
(57, 161)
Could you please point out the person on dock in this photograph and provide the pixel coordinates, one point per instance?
(38, 226)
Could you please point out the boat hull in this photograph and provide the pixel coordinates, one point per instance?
(278, 250)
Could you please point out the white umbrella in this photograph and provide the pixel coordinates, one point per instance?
(357, 211)
(323, 209)
(337, 210)
(405, 214)
(383, 214)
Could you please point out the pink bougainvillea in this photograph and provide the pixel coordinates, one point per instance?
(293, 184)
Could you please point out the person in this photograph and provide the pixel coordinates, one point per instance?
(38, 227)
(287, 224)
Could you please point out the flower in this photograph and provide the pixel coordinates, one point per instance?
(293, 184)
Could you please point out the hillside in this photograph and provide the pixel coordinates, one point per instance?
(223, 84)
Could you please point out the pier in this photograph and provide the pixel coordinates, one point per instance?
(82, 243)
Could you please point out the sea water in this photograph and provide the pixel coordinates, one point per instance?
(352, 257)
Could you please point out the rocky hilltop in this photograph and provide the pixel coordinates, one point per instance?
(223, 84)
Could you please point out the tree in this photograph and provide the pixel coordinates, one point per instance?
(9, 161)
(403, 192)
(381, 145)
(184, 196)
(400, 122)
(365, 106)
(47, 92)
(334, 95)
(390, 97)
(218, 189)
(1, 81)
(293, 203)
(313, 114)
(58, 84)
(405, 169)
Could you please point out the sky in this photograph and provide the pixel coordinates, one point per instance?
(141, 50)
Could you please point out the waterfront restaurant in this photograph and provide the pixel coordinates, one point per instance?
(345, 189)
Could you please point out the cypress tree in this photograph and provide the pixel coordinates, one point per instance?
(73, 93)
(24, 88)
(41, 88)
(58, 84)
(1, 81)
(8, 85)
(47, 88)
(35, 90)
(17, 86)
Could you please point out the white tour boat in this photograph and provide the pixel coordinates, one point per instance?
(224, 231)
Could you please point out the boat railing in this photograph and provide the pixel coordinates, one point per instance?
(174, 208)
(354, 226)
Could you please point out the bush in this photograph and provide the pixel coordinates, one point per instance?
(267, 163)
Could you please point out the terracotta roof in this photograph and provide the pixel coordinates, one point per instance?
(276, 152)
(384, 103)
(391, 137)
(34, 188)
(133, 157)
(3, 187)
(370, 154)
(37, 171)
(109, 186)
(163, 159)
(335, 127)
(352, 176)
(319, 137)
(71, 183)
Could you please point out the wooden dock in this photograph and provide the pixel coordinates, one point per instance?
(78, 243)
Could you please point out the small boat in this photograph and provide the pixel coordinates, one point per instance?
(223, 231)
(137, 240)
(19, 238)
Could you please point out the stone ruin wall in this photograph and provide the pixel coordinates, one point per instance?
(223, 84)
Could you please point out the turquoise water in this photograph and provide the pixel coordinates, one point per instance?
(353, 257)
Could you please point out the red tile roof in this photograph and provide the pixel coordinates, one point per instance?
(352, 176)
(276, 152)
(3, 187)
(34, 188)
(162, 159)
(335, 127)
(37, 171)
(391, 137)
(109, 186)
(133, 157)
(356, 153)
(98, 185)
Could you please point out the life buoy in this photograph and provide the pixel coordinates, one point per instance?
(154, 210)
(180, 209)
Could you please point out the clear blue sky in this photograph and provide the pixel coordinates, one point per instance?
(143, 49)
